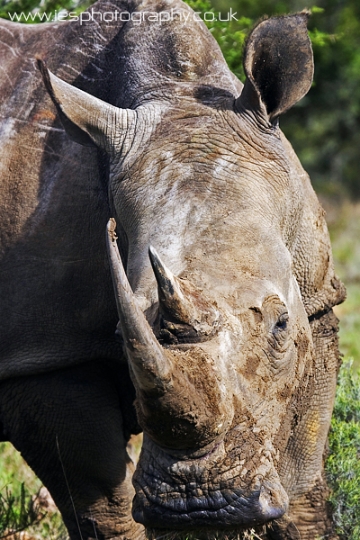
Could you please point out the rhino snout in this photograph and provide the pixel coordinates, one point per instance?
(186, 494)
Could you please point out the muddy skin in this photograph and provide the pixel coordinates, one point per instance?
(233, 481)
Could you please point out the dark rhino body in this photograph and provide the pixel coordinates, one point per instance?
(233, 353)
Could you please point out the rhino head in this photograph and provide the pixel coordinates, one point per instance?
(208, 198)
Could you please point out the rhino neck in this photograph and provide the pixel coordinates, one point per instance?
(175, 60)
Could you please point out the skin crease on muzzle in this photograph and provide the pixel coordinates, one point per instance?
(182, 493)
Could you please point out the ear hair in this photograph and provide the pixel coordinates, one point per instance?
(278, 64)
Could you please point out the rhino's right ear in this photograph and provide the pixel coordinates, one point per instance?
(278, 64)
(87, 119)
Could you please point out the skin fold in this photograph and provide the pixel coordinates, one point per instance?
(218, 279)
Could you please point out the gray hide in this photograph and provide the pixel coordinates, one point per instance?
(225, 301)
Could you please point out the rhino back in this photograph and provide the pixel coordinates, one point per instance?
(56, 302)
(167, 52)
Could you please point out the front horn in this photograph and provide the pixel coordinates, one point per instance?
(149, 362)
(180, 404)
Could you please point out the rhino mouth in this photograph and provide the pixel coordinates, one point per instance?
(218, 509)
(185, 495)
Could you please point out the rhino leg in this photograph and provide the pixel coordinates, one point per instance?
(69, 427)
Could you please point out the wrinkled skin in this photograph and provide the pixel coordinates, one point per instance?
(224, 310)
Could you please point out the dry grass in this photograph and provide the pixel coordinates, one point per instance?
(213, 535)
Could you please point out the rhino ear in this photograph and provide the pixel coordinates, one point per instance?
(88, 120)
(278, 64)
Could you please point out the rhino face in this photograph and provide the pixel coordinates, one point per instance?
(205, 192)
(214, 418)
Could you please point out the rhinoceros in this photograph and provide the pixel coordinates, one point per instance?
(220, 342)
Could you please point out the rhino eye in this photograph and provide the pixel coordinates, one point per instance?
(281, 323)
(278, 337)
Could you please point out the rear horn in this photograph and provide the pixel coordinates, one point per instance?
(184, 309)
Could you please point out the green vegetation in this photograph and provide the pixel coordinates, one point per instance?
(344, 225)
(41, 11)
(24, 503)
(17, 512)
(343, 464)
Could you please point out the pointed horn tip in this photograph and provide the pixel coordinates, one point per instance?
(155, 260)
(47, 76)
(157, 265)
(41, 65)
(40, 62)
(153, 252)
(111, 228)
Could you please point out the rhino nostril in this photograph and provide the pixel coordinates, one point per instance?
(171, 332)
(273, 501)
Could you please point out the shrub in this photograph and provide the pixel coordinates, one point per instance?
(343, 464)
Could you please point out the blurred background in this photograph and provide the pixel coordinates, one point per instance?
(324, 129)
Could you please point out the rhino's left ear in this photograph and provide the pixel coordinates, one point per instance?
(88, 120)
(278, 64)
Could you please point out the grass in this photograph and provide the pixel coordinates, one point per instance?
(21, 507)
(18, 512)
(25, 505)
